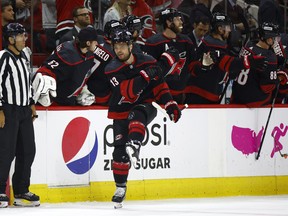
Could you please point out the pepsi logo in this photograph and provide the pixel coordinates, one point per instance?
(77, 138)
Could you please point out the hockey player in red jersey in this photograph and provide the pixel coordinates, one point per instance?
(136, 80)
(171, 20)
(205, 83)
(255, 88)
(64, 73)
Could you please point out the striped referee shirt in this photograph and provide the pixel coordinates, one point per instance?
(15, 83)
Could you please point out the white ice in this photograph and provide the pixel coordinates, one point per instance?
(239, 206)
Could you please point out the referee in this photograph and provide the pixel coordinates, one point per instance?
(17, 112)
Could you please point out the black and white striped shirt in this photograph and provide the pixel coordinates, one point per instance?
(15, 83)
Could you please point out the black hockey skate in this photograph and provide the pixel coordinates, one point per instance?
(26, 200)
(4, 201)
(133, 150)
(119, 197)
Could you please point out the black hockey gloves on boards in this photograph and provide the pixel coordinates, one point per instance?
(173, 111)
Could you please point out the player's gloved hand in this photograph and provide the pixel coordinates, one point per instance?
(174, 53)
(85, 98)
(173, 111)
(44, 87)
(283, 77)
(256, 62)
(153, 72)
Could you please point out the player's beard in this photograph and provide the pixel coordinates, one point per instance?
(176, 29)
(125, 58)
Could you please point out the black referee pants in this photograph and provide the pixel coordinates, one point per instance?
(17, 140)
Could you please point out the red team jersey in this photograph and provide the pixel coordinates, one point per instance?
(64, 14)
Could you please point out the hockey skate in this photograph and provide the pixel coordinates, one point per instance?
(4, 200)
(133, 150)
(26, 200)
(119, 197)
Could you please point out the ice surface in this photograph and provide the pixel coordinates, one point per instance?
(264, 206)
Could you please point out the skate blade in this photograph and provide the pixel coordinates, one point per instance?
(133, 159)
(3, 204)
(118, 205)
(26, 203)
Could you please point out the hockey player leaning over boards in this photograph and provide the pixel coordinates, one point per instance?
(254, 87)
(63, 75)
(136, 80)
(172, 23)
(204, 87)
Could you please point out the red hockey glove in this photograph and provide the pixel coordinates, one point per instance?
(151, 73)
(283, 77)
(173, 111)
(255, 62)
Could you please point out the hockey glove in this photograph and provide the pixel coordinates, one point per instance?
(256, 62)
(173, 111)
(152, 73)
(174, 53)
(85, 98)
(44, 87)
(283, 77)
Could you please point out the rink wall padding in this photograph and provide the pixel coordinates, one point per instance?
(210, 152)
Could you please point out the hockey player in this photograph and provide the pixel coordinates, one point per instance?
(280, 48)
(171, 20)
(136, 80)
(205, 83)
(134, 25)
(68, 69)
(252, 87)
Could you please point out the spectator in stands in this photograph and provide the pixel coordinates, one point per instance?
(64, 10)
(117, 11)
(49, 23)
(81, 20)
(7, 16)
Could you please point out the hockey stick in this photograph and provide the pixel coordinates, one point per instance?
(266, 126)
(224, 91)
(163, 111)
